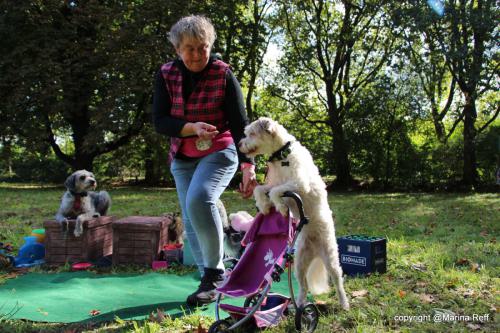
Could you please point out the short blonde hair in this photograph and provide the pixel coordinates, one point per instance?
(192, 27)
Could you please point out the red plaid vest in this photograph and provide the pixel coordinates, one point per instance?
(205, 102)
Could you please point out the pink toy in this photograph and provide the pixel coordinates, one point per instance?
(241, 221)
(158, 264)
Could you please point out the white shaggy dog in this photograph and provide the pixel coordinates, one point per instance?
(291, 168)
(80, 203)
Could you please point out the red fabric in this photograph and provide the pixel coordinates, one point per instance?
(77, 203)
(205, 102)
(221, 141)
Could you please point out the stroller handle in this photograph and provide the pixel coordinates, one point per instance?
(298, 200)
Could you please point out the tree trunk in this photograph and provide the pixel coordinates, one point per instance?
(340, 154)
(438, 125)
(83, 161)
(470, 175)
(340, 157)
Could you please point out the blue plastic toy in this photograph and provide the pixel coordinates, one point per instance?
(30, 254)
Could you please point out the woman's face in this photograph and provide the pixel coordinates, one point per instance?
(194, 54)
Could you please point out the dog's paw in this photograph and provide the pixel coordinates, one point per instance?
(64, 225)
(283, 209)
(264, 206)
(78, 228)
(78, 232)
(276, 197)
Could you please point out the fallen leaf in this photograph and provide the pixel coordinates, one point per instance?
(94, 312)
(474, 327)
(201, 329)
(359, 293)
(484, 233)
(419, 267)
(468, 293)
(452, 283)
(157, 317)
(401, 293)
(421, 284)
(45, 313)
(322, 306)
(475, 267)
(426, 298)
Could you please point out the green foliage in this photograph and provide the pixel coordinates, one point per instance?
(363, 85)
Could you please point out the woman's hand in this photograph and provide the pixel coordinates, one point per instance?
(249, 181)
(203, 130)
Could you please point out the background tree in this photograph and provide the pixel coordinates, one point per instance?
(467, 36)
(341, 46)
(79, 67)
(437, 82)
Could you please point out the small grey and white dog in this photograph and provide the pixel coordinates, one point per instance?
(79, 203)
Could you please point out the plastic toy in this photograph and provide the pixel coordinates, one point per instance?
(172, 253)
(39, 234)
(81, 266)
(30, 254)
(159, 264)
(5, 260)
(241, 221)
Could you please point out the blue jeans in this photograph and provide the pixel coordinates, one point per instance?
(199, 185)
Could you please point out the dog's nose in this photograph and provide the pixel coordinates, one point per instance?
(92, 182)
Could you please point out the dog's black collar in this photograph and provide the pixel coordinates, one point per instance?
(81, 194)
(281, 154)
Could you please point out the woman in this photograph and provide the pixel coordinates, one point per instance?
(198, 103)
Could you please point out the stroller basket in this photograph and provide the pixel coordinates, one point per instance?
(269, 313)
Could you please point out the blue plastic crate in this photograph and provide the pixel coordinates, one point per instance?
(360, 255)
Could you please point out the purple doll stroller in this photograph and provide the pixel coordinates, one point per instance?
(269, 250)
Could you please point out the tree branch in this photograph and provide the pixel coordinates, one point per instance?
(52, 141)
(315, 123)
(133, 130)
(482, 128)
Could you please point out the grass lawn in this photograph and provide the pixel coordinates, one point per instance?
(443, 259)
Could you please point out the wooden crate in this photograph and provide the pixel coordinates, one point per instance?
(95, 242)
(139, 239)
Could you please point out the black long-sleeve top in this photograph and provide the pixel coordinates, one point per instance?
(233, 107)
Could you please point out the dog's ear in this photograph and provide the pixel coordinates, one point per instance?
(70, 182)
(267, 125)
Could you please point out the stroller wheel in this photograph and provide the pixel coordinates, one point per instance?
(219, 326)
(306, 318)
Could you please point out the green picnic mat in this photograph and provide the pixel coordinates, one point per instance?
(71, 296)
